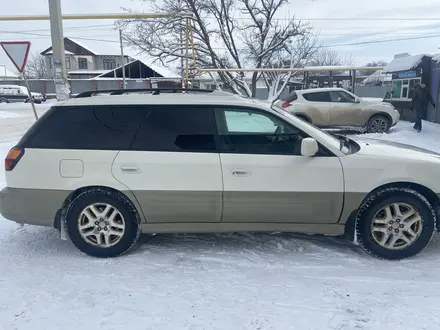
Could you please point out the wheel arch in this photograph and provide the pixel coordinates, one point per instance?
(381, 113)
(127, 194)
(430, 195)
(303, 116)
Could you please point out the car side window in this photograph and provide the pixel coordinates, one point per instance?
(176, 128)
(317, 97)
(249, 131)
(341, 97)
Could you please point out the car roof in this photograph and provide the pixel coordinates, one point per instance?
(214, 98)
(324, 89)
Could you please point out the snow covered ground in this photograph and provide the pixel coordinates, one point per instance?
(227, 281)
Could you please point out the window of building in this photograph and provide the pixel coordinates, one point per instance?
(68, 64)
(96, 128)
(50, 62)
(177, 129)
(404, 88)
(82, 63)
(317, 96)
(109, 64)
(251, 132)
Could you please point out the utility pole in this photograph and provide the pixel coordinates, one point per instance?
(56, 26)
(123, 59)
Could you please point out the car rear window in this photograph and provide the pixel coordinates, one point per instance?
(84, 127)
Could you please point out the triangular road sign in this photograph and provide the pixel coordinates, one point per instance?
(18, 52)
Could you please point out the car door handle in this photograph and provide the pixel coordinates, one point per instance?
(129, 169)
(238, 172)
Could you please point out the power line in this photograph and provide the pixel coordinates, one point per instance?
(382, 41)
(222, 48)
(67, 28)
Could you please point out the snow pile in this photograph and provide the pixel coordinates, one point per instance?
(404, 133)
(6, 114)
(404, 63)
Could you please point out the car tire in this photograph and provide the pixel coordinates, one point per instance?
(395, 223)
(378, 124)
(103, 223)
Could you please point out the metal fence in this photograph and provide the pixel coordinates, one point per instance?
(47, 87)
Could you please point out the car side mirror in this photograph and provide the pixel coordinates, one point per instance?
(309, 147)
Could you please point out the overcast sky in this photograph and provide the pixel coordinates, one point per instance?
(423, 20)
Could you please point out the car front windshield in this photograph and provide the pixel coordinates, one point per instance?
(335, 140)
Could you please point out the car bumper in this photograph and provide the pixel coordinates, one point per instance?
(31, 206)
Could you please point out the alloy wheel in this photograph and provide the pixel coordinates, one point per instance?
(101, 225)
(396, 226)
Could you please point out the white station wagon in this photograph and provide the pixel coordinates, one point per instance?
(104, 169)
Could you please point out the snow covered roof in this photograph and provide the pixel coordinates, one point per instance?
(404, 63)
(378, 75)
(6, 73)
(98, 48)
(436, 58)
(50, 52)
(154, 64)
(89, 72)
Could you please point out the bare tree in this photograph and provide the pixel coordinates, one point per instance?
(36, 67)
(372, 64)
(325, 56)
(293, 56)
(221, 40)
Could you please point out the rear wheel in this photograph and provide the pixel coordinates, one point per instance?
(102, 223)
(395, 223)
(378, 124)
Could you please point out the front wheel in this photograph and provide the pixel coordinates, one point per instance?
(378, 124)
(395, 223)
(102, 223)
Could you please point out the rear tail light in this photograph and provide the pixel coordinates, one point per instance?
(13, 157)
(286, 104)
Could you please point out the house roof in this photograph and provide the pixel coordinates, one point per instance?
(153, 63)
(6, 73)
(147, 61)
(378, 75)
(404, 63)
(50, 52)
(436, 58)
(98, 48)
(87, 72)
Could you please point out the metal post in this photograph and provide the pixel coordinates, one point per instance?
(187, 54)
(123, 59)
(31, 100)
(56, 27)
(353, 80)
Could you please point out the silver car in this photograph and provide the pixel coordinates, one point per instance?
(333, 107)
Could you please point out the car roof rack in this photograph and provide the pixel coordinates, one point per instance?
(155, 91)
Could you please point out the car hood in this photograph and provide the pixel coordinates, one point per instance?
(375, 147)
